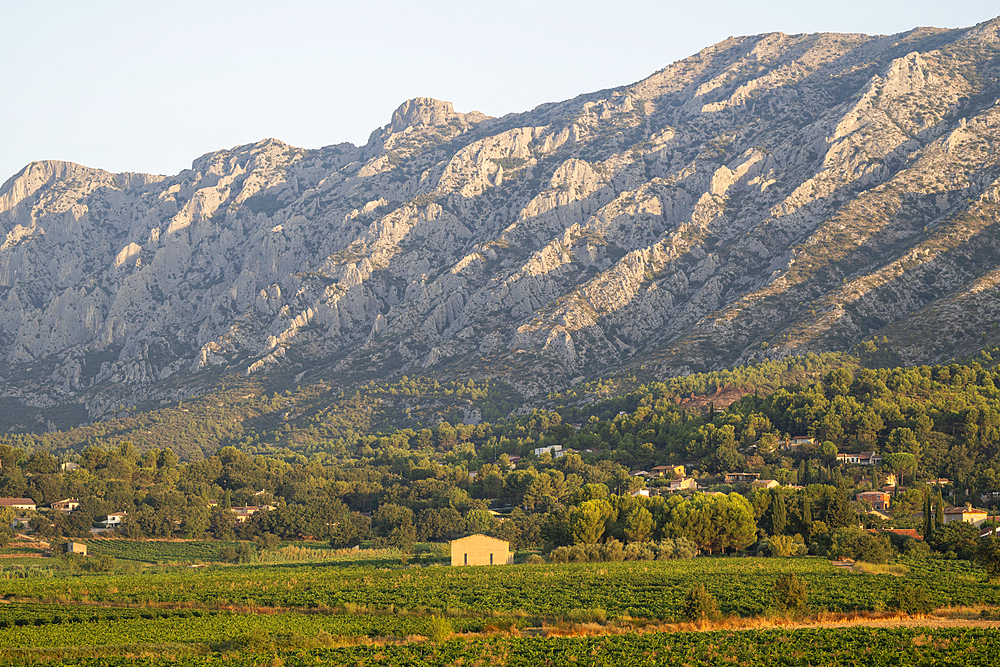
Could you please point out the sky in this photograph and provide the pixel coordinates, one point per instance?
(150, 86)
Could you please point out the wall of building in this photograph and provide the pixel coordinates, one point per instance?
(480, 550)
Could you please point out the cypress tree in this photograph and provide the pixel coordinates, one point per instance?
(928, 523)
(807, 513)
(939, 510)
(779, 515)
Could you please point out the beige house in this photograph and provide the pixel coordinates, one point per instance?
(669, 471)
(67, 505)
(18, 503)
(689, 483)
(480, 550)
(966, 514)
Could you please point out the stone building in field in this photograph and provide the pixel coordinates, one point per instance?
(480, 550)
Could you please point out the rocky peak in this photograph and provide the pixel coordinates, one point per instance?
(423, 121)
(427, 112)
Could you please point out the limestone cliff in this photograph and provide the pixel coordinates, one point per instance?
(770, 195)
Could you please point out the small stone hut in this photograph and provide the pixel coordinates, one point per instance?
(480, 550)
(76, 548)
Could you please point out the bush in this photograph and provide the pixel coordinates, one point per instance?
(789, 594)
(535, 559)
(912, 600)
(612, 551)
(853, 542)
(699, 605)
(679, 548)
(782, 546)
(559, 555)
(439, 629)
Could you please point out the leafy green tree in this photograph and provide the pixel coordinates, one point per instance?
(588, 521)
(639, 525)
(839, 511)
(393, 527)
(900, 463)
(957, 537)
(988, 555)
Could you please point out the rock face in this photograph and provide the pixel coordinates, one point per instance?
(770, 195)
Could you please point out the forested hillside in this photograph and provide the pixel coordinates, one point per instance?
(314, 455)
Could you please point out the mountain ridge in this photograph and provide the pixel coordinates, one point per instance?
(770, 195)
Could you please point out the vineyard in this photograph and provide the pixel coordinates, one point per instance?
(833, 647)
(652, 589)
(211, 551)
(48, 625)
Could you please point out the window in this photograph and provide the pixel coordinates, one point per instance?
(466, 559)
(491, 559)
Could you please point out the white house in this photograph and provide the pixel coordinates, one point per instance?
(115, 519)
(554, 450)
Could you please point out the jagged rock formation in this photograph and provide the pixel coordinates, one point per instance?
(770, 195)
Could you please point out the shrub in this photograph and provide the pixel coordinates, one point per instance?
(439, 629)
(789, 594)
(678, 548)
(612, 551)
(911, 599)
(699, 605)
(559, 555)
(535, 559)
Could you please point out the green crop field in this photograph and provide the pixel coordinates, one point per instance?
(834, 647)
(651, 589)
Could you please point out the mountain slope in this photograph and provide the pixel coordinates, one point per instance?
(770, 195)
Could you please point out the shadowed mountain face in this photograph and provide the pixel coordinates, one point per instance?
(770, 195)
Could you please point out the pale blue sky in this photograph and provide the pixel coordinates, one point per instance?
(150, 86)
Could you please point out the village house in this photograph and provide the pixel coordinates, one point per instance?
(966, 514)
(18, 503)
(67, 505)
(683, 484)
(864, 458)
(480, 550)
(669, 471)
(765, 484)
(879, 500)
(244, 513)
(555, 450)
(114, 519)
(742, 477)
(797, 441)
